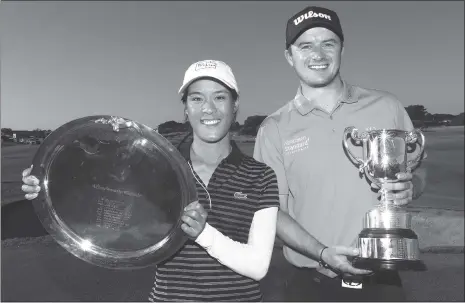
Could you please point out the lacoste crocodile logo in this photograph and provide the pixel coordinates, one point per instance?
(240, 195)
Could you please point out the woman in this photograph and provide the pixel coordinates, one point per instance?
(233, 224)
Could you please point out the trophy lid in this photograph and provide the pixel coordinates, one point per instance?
(112, 192)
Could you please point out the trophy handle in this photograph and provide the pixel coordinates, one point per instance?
(370, 174)
(353, 133)
(413, 137)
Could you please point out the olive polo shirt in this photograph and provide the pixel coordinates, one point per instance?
(303, 145)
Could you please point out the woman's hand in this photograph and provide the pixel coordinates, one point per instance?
(194, 218)
(30, 184)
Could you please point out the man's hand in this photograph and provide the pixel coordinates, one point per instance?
(337, 261)
(400, 191)
(194, 218)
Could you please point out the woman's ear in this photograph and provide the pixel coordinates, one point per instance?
(236, 105)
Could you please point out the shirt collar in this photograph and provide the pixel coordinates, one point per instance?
(304, 106)
(235, 157)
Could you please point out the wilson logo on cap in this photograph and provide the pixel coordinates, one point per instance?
(311, 14)
(205, 64)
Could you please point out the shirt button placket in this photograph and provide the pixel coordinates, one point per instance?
(332, 123)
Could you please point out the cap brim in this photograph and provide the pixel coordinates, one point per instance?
(321, 23)
(186, 85)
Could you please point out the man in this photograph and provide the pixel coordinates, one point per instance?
(322, 196)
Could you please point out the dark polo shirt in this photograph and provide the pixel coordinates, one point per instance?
(303, 145)
(239, 187)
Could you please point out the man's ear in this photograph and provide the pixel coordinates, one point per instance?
(186, 116)
(288, 56)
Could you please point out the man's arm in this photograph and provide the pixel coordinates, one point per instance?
(297, 238)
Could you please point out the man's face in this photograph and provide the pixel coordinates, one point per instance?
(316, 56)
(210, 109)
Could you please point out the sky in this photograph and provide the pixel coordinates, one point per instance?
(60, 61)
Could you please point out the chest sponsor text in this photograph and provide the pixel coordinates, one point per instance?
(295, 145)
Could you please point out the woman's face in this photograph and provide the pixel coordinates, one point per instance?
(210, 109)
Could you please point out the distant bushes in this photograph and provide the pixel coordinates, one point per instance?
(418, 114)
(458, 120)
(173, 127)
(250, 127)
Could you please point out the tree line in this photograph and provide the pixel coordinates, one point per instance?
(417, 113)
(7, 133)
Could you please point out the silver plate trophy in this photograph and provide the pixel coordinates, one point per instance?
(386, 241)
(112, 192)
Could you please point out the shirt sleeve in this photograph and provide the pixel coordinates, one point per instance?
(268, 150)
(252, 259)
(269, 196)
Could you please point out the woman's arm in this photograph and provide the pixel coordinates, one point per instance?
(252, 259)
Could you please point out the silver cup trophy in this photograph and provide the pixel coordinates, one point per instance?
(386, 241)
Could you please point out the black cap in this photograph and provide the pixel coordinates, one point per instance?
(311, 17)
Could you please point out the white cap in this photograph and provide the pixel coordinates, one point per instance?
(209, 68)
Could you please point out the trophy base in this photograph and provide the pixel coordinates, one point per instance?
(388, 249)
(382, 265)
